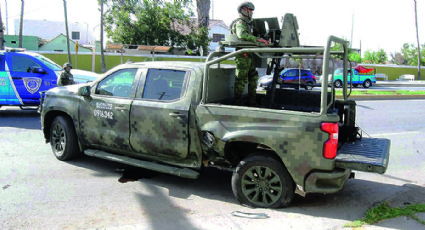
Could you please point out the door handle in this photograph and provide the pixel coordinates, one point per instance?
(177, 115)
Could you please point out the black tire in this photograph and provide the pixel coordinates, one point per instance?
(252, 187)
(367, 83)
(338, 84)
(63, 139)
(309, 86)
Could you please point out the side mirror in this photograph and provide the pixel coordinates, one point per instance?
(39, 70)
(84, 91)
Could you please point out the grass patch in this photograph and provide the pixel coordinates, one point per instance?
(383, 92)
(383, 212)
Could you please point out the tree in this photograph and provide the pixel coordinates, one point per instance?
(372, 57)
(410, 53)
(203, 9)
(21, 24)
(352, 55)
(145, 22)
(102, 55)
(1, 33)
(417, 38)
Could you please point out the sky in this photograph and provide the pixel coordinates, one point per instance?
(372, 24)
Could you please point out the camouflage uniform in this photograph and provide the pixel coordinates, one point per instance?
(245, 68)
(66, 77)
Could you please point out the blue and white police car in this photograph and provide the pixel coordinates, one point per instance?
(24, 74)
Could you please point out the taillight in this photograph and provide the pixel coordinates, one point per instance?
(314, 77)
(330, 146)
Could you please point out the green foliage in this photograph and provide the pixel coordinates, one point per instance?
(352, 55)
(410, 53)
(383, 212)
(372, 57)
(145, 22)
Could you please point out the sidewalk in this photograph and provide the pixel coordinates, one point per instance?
(412, 194)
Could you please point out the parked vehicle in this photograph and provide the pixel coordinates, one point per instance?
(178, 117)
(291, 78)
(358, 76)
(24, 74)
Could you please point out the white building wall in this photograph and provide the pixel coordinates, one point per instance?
(217, 29)
(51, 29)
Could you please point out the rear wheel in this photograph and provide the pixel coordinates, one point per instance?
(63, 139)
(367, 83)
(338, 84)
(309, 86)
(261, 181)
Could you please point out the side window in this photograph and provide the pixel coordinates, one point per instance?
(163, 84)
(23, 64)
(304, 73)
(292, 73)
(2, 64)
(117, 84)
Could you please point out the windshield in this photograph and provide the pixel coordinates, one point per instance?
(338, 72)
(49, 63)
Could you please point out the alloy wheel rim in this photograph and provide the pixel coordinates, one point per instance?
(58, 140)
(261, 186)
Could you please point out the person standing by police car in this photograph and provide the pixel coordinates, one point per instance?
(245, 68)
(66, 77)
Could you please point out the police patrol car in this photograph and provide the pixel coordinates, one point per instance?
(24, 74)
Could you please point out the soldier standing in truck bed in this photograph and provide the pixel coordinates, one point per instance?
(245, 68)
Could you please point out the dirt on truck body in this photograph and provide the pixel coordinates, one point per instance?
(177, 117)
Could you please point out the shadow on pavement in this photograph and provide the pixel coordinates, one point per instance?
(26, 119)
(349, 204)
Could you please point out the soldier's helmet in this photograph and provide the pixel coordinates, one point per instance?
(248, 5)
(246, 13)
(67, 65)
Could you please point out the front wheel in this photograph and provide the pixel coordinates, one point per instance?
(367, 83)
(63, 139)
(261, 181)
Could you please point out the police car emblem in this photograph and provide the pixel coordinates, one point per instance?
(32, 84)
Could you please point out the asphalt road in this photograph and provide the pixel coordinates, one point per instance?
(40, 192)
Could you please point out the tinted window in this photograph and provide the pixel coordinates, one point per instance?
(23, 64)
(163, 84)
(117, 84)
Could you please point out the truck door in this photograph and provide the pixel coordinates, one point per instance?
(159, 115)
(26, 83)
(104, 117)
(5, 86)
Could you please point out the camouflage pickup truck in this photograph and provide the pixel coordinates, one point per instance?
(178, 117)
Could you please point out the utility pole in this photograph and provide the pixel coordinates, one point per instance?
(7, 20)
(21, 24)
(102, 55)
(419, 46)
(67, 32)
(1, 33)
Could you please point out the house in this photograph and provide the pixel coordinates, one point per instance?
(28, 42)
(59, 44)
(78, 32)
(217, 30)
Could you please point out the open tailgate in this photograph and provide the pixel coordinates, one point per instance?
(367, 155)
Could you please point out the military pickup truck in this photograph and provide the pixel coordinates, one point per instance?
(179, 117)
